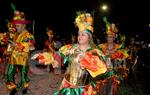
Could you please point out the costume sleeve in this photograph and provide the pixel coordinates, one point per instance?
(121, 53)
(49, 57)
(94, 62)
(64, 52)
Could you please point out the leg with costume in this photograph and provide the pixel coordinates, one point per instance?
(11, 73)
(23, 84)
(24, 79)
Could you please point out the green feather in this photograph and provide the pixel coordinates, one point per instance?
(105, 20)
(13, 6)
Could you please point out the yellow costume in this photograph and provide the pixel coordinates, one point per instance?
(22, 43)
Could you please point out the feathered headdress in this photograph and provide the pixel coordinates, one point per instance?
(110, 27)
(84, 21)
(19, 17)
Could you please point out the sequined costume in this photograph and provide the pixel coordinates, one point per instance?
(22, 44)
(19, 57)
(83, 67)
(115, 55)
(116, 67)
(83, 61)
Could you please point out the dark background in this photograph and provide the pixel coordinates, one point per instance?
(131, 16)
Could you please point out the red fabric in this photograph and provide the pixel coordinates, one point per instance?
(90, 62)
(85, 91)
(20, 46)
(115, 85)
(58, 58)
(20, 21)
(118, 54)
(67, 84)
(2, 49)
(41, 59)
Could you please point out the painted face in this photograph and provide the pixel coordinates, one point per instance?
(83, 38)
(20, 27)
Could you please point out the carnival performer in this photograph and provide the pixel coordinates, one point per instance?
(22, 43)
(84, 61)
(49, 44)
(116, 55)
(9, 36)
(3, 45)
(133, 52)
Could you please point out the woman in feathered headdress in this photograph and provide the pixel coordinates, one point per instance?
(115, 55)
(83, 61)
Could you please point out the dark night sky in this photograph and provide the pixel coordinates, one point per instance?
(131, 16)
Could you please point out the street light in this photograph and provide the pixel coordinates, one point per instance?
(104, 7)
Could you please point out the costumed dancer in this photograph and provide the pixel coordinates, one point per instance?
(9, 47)
(49, 44)
(84, 61)
(22, 43)
(3, 44)
(116, 55)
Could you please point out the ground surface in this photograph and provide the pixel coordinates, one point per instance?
(46, 83)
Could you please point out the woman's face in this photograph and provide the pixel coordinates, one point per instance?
(83, 38)
(110, 38)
